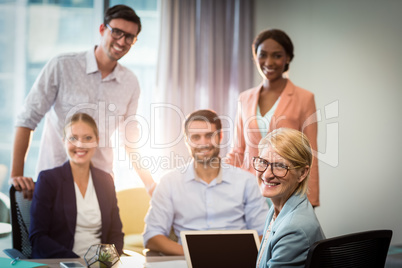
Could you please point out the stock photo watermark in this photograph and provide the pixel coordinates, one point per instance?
(136, 132)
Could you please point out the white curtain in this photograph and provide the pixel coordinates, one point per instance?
(204, 62)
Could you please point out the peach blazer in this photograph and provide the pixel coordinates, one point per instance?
(296, 109)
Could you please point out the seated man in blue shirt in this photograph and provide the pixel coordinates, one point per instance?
(207, 194)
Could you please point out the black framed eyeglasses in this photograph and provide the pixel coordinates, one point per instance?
(279, 170)
(116, 33)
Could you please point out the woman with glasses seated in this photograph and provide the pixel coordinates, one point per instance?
(74, 205)
(282, 169)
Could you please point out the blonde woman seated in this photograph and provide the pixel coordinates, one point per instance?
(74, 205)
(283, 168)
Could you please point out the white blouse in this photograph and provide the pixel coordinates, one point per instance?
(88, 229)
(263, 121)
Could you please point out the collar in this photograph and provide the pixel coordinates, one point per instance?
(293, 202)
(92, 67)
(191, 175)
(288, 90)
(66, 171)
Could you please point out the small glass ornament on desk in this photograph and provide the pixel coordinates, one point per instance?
(101, 256)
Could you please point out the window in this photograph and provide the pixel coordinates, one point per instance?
(142, 60)
(34, 31)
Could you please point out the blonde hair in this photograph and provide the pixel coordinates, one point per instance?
(292, 145)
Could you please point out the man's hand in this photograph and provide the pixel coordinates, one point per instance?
(24, 184)
(165, 245)
(150, 189)
(22, 140)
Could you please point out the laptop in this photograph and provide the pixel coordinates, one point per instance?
(225, 248)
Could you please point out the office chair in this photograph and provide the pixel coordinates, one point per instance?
(364, 249)
(133, 206)
(20, 219)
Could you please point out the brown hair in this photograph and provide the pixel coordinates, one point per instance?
(203, 115)
(83, 117)
(122, 12)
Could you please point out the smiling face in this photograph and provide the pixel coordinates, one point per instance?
(203, 141)
(271, 59)
(80, 142)
(279, 189)
(115, 49)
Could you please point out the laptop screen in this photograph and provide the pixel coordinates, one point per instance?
(220, 248)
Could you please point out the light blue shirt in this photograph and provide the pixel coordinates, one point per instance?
(232, 201)
(72, 83)
(292, 234)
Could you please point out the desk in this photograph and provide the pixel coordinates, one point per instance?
(134, 261)
(54, 263)
(394, 258)
(126, 262)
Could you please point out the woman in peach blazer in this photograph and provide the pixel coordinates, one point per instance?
(292, 106)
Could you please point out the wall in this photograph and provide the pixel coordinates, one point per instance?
(348, 53)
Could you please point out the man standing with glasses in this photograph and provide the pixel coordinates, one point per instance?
(207, 195)
(92, 82)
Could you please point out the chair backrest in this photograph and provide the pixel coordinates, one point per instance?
(133, 206)
(20, 219)
(364, 249)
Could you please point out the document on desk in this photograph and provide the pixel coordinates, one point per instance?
(167, 264)
(6, 263)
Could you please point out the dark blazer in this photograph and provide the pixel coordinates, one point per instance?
(54, 212)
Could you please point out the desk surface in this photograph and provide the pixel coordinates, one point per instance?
(126, 262)
(138, 260)
(134, 261)
(394, 258)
